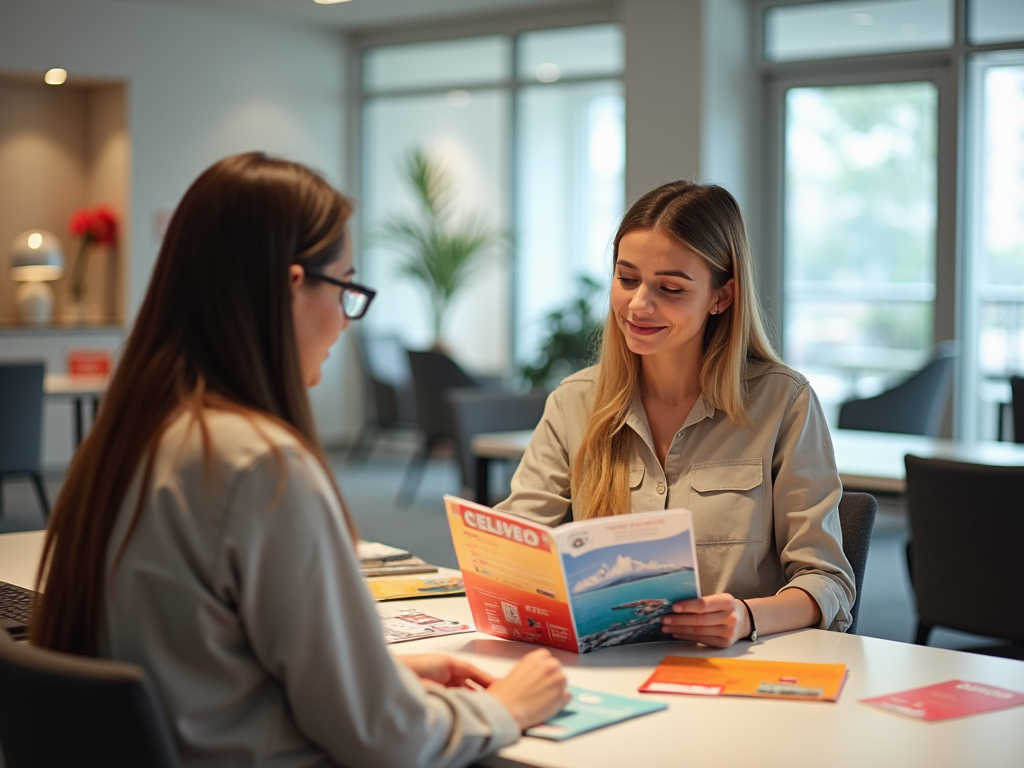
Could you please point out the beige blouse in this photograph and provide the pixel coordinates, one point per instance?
(239, 593)
(764, 498)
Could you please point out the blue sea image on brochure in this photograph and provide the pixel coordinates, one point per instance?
(620, 593)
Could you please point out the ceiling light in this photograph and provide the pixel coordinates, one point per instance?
(55, 76)
(864, 19)
(329, 2)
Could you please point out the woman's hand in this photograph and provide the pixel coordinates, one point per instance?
(534, 690)
(716, 620)
(446, 670)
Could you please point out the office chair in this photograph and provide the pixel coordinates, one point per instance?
(433, 374)
(857, 519)
(915, 407)
(388, 381)
(57, 709)
(1017, 402)
(475, 410)
(966, 528)
(21, 417)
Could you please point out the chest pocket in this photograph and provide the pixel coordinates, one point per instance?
(727, 501)
(636, 476)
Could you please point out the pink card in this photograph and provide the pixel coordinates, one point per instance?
(954, 698)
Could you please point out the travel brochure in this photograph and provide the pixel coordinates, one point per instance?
(590, 710)
(376, 559)
(953, 698)
(405, 588)
(582, 586)
(403, 624)
(746, 677)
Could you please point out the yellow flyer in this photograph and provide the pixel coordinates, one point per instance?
(747, 677)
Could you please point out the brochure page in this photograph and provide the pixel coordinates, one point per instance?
(624, 573)
(590, 710)
(512, 575)
(747, 677)
(953, 698)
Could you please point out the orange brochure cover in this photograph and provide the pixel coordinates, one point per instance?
(582, 586)
(747, 677)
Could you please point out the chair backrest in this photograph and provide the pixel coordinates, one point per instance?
(857, 519)
(966, 527)
(1017, 394)
(915, 407)
(476, 410)
(21, 416)
(59, 709)
(388, 379)
(434, 373)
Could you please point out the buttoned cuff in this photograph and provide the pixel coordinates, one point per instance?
(835, 616)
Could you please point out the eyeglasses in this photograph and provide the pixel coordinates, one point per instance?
(355, 298)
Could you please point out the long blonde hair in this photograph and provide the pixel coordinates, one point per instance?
(707, 219)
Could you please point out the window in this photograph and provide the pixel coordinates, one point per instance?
(902, 194)
(530, 127)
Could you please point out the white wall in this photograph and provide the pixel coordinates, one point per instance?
(201, 85)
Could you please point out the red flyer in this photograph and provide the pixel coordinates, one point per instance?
(954, 698)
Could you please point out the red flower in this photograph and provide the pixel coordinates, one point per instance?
(81, 222)
(99, 226)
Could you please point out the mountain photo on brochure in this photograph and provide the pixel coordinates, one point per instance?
(623, 574)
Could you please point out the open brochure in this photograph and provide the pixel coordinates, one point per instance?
(582, 586)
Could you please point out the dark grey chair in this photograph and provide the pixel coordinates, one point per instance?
(475, 410)
(857, 519)
(966, 529)
(21, 423)
(388, 381)
(62, 710)
(915, 407)
(433, 374)
(1017, 403)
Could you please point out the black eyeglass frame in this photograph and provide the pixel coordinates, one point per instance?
(369, 293)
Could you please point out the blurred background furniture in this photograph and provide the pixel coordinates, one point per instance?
(966, 529)
(433, 374)
(389, 396)
(857, 519)
(477, 410)
(21, 421)
(1017, 404)
(914, 407)
(60, 709)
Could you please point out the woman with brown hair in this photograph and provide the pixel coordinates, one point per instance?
(199, 532)
(690, 407)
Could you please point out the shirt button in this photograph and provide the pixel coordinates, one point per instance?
(660, 488)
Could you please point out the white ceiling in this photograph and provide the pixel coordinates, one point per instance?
(363, 14)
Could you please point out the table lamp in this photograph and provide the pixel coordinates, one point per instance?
(36, 258)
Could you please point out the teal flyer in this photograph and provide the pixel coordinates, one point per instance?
(590, 710)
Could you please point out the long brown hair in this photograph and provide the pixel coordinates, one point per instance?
(707, 219)
(215, 330)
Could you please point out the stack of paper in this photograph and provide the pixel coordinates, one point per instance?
(376, 559)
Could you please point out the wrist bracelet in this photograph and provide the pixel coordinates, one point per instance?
(752, 637)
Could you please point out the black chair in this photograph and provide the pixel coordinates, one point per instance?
(388, 380)
(475, 410)
(857, 519)
(966, 528)
(1017, 403)
(433, 374)
(21, 422)
(63, 710)
(915, 407)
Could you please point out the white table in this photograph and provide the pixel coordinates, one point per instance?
(868, 461)
(728, 731)
(77, 387)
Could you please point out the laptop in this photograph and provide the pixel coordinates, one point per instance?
(16, 609)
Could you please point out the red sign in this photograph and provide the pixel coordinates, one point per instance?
(89, 362)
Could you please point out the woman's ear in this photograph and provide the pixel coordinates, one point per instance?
(725, 295)
(296, 276)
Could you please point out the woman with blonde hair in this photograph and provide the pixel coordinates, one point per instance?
(690, 407)
(200, 534)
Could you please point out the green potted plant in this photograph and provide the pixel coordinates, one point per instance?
(573, 340)
(442, 251)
